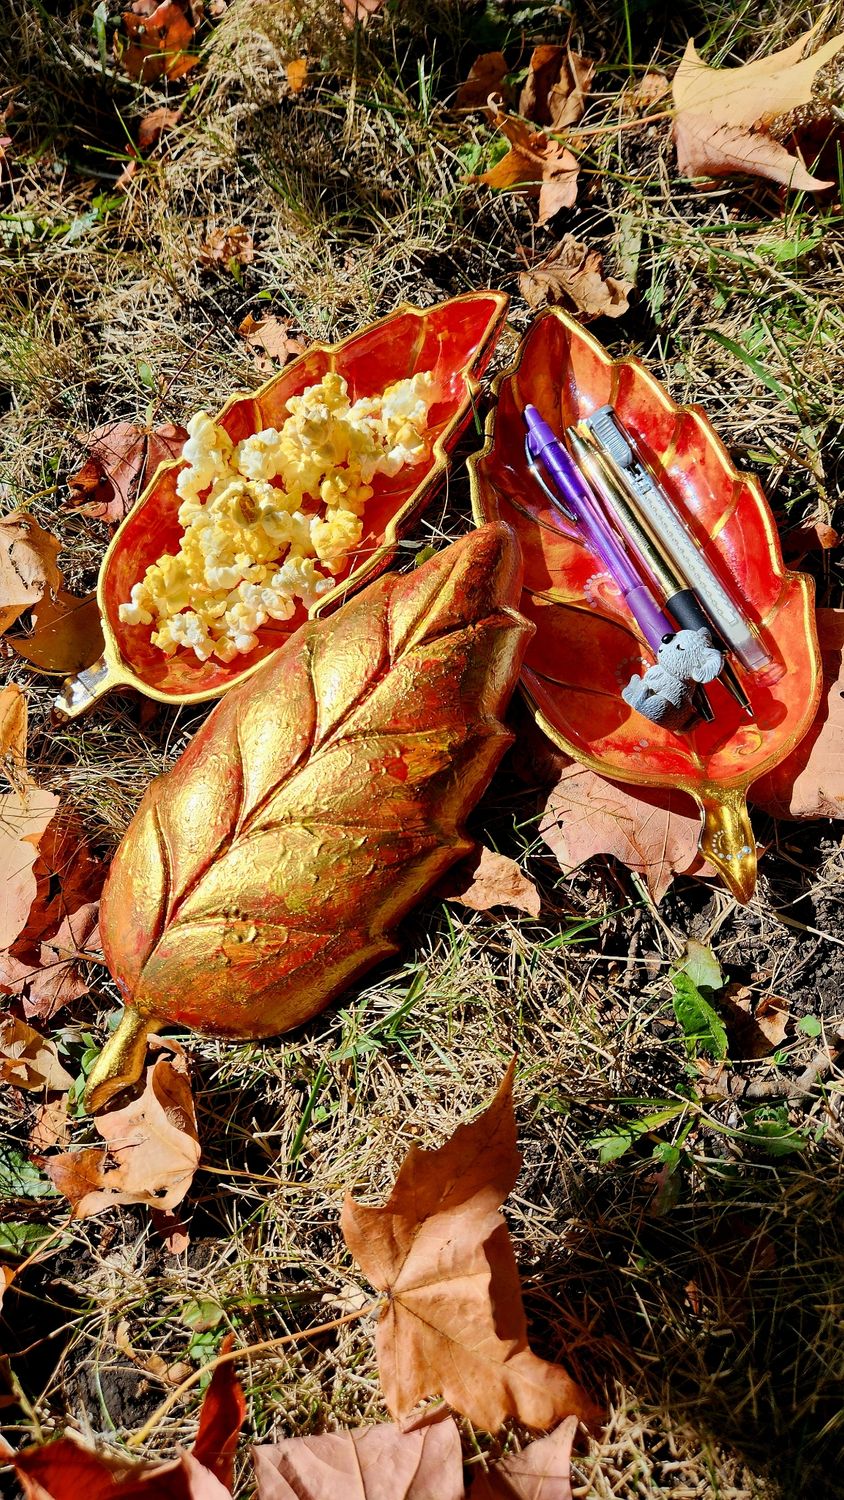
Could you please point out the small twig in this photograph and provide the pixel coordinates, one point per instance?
(139, 1437)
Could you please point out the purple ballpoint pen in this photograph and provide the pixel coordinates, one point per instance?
(596, 533)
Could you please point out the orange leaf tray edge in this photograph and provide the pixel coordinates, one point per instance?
(586, 645)
(370, 358)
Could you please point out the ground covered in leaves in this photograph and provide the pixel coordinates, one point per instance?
(676, 1222)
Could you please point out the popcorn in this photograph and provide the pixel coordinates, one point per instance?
(252, 531)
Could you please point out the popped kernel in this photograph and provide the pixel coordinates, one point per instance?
(252, 538)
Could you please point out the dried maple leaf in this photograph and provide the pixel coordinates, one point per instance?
(418, 1462)
(489, 879)
(122, 458)
(653, 833)
(66, 634)
(545, 168)
(454, 1324)
(25, 812)
(724, 115)
(809, 783)
(224, 245)
(158, 37)
(554, 92)
(542, 1471)
(151, 1153)
(486, 76)
(67, 1470)
(573, 275)
(273, 336)
(55, 978)
(28, 567)
(29, 1060)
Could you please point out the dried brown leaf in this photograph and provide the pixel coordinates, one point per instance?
(273, 336)
(486, 76)
(158, 38)
(154, 125)
(66, 634)
(758, 1028)
(453, 1324)
(542, 1471)
(297, 74)
(29, 1060)
(122, 459)
(724, 115)
(554, 92)
(573, 275)
(647, 92)
(24, 816)
(358, 12)
(809, 783)
(28, 568)
(13, 723)
(152, 1148)
(224, 245)
(654, 833)
(544, 168)
(418, 1462)
(489, 879)
(50, 1126)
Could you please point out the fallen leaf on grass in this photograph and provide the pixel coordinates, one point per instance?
(151, 1152)
(815, 536)
(222, 246)
(542, 1471)
(490, 879)
(50, 1126)
(55, 978)
(724, 115)
(647, 92)
(273, 336)
(420, 1462)
(809, 783)
(29, 1060)
(150, 130)
(486, 76)
(573, 275)
(66, 634)
(122, 458)
(158, 36)
(25, 813)
(544, 168)
(358, 12)
(67, 1470)
(7, 1276)
(758, 1029)
(554, 92)
(28, 567)
(454, 1324)
(653, 833)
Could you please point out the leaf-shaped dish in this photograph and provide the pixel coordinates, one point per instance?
(455, 339)
(314, 807)
(586, 644)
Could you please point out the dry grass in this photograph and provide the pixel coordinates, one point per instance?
(707, 1306)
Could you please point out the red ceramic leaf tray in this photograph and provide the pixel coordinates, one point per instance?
(455, 339)
(586, 644)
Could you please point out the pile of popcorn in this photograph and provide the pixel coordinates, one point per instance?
(270, 521)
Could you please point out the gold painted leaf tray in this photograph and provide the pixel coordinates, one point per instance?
(586, 644)
(455, 339)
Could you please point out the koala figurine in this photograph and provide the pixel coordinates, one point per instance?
(664, 693)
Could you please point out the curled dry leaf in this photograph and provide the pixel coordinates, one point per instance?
(573, 275)
(272, 335)
(29, 1060)
(151, 1152)
(810, 782)
(542, 1471)
(50, 1126)
(297, 74)
(725, 115)
(152, 127)
(490, 879)
(544, 168)
(815, 536)
(66, 634)
(25, 812)
(224, 245)
(554, 92)
(647, 92)
(122, 457)
(67, 1470)
(758, 1027)
(453, 1324)
(654, 833)
(416, 1462)
(158, 36)
(28, 567)
(486, 76)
